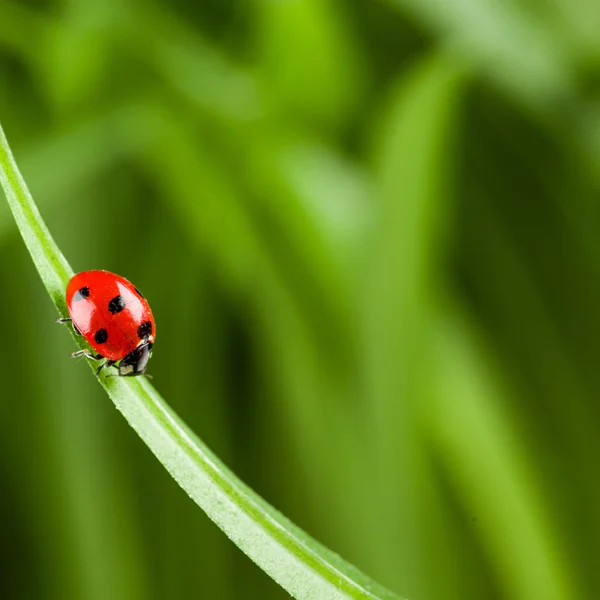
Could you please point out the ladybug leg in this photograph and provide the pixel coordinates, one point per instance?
(87, 354)
(108, 363)
(68, 320)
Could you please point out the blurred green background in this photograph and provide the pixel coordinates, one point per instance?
(370, 234)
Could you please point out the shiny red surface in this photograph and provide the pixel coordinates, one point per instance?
(92, 314)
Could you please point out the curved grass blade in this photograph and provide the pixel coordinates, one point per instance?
(298, 563)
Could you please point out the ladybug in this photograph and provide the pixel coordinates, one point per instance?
(114, 318)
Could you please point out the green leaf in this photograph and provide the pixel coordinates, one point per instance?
(509, 41)
(468, 409)
(414, 149)
(312, 42)
(297, 562)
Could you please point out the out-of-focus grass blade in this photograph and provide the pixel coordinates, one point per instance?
(539, 54)
(16, 18)
(496, 482)
(583, 19)
(311, 42)
(194, 68)
(95, 144)
(79, 52)
(563, 399)
(412, 178)
(298, 563)
(506, 40)
(209, 204)
(262, 151)
(414, 147)
(334, 191)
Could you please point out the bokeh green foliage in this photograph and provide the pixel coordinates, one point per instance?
(369, 233)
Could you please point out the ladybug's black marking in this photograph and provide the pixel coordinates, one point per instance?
(116, 305)
(81, 293)
(101, 336)
(139, 293)
(145, 330)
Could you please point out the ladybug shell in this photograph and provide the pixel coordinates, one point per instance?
(110, 312)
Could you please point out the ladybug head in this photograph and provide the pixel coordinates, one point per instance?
(135, 362)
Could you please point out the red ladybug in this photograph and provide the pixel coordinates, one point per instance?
(114, 318)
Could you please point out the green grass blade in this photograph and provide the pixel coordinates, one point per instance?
(511, 43)
(468, 409)
(297, 562)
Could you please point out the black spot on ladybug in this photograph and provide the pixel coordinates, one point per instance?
(145, 330)
(80, 294)
(116, 305)
(139, 293)
(101, 336)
